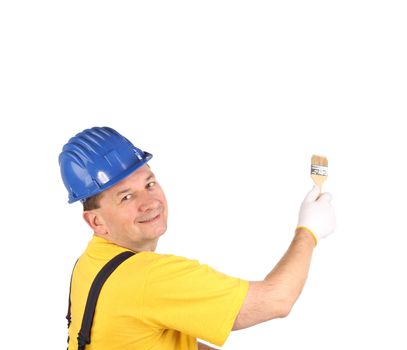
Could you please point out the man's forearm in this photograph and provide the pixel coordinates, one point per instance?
(291, 272)
(275, 296)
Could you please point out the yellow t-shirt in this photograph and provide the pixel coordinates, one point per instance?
(153, 301)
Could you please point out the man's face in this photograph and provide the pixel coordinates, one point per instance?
(134, 211)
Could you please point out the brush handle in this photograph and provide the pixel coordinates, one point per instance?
(318, 180)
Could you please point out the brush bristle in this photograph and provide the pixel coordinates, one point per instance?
(319, 160)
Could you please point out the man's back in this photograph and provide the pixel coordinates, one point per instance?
(153, 301)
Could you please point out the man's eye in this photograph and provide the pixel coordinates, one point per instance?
(151, 184)
(126, 197)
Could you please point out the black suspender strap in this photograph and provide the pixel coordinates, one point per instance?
(68, 315)
(100, 279)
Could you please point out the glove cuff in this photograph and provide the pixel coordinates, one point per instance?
(310, 232)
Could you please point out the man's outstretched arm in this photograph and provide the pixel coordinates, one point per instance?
(275, 296)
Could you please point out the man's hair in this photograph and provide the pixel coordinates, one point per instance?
(92, 202)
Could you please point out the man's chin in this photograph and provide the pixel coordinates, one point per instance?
(159, 231)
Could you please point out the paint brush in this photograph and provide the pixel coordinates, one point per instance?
(319, 170)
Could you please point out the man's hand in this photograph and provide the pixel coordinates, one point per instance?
(317, 214)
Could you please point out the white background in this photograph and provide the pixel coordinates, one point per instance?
(232, 98)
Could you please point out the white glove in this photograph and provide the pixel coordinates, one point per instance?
(317, 214)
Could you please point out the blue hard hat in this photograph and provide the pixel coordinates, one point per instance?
(95, 160)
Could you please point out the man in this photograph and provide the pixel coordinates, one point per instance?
(155, 301)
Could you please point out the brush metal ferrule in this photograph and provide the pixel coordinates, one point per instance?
(319, 170)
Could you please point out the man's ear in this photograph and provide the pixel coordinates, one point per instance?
(95, 221)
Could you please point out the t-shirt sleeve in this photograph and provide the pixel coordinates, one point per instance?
(192, 298)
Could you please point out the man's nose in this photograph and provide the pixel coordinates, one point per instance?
(148, 203)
